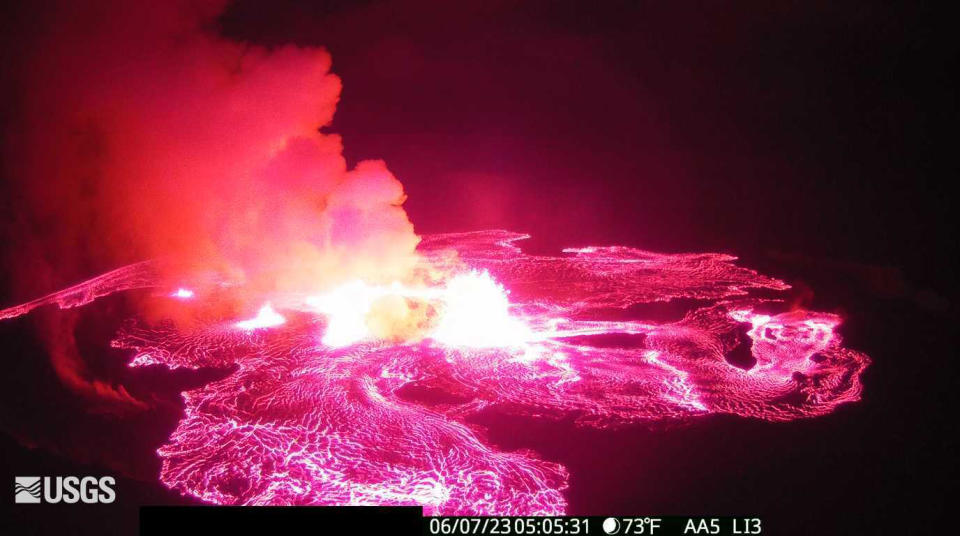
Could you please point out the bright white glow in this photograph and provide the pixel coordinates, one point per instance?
(476, 313)
(182, 293)
(346, 308)
(473, 307)
(266, 318)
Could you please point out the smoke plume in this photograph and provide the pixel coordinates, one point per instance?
(143, 134)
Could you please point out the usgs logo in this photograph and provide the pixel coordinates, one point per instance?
(68, 489)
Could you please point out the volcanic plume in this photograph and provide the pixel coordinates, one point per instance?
(145, 135)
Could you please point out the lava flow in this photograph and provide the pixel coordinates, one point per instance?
(326, 405)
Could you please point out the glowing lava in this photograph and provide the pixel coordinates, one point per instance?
(476, 314)
(473, 311)
(266, 318)
(320, 410)
(182, 293)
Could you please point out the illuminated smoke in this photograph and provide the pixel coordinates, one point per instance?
(144, 134)
(307, 418)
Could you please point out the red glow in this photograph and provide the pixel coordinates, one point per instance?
(309, 420)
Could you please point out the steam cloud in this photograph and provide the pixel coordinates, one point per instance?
(143, 134)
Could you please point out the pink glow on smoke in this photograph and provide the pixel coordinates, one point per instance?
(310, 418)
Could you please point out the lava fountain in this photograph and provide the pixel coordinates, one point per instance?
(321, 406)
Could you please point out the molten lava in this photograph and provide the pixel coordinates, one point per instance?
(321, 406)
(266, 318)
(458, 308)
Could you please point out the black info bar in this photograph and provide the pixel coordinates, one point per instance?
(402, 520)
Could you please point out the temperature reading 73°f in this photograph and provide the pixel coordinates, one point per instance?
(631, 525)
